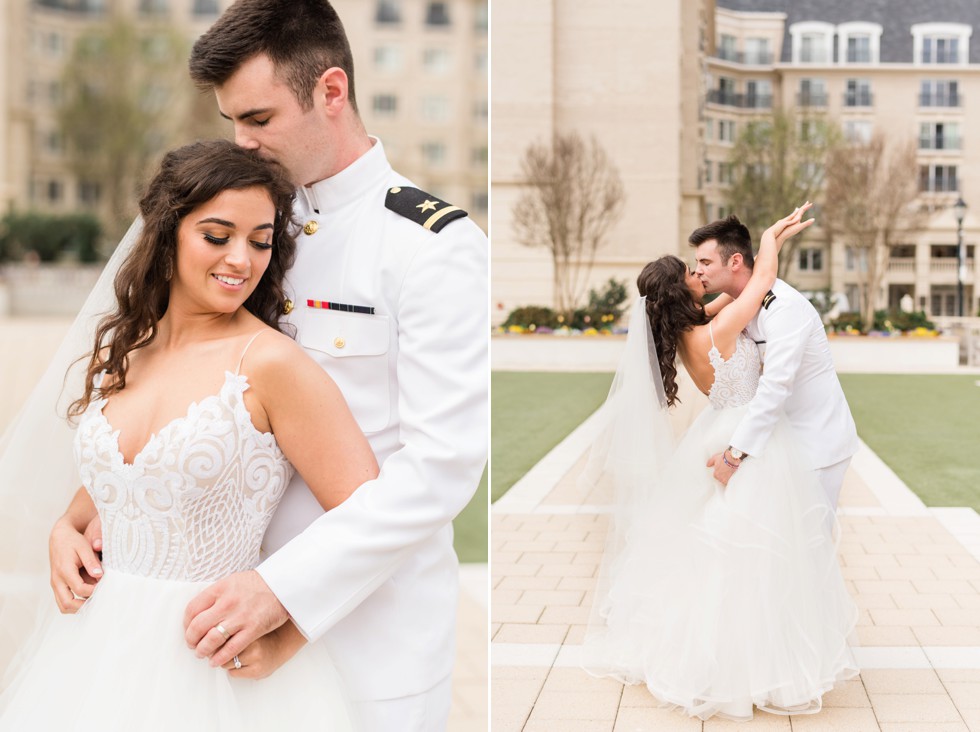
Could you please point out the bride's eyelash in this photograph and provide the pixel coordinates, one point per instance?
(215, 239)
(260, 244)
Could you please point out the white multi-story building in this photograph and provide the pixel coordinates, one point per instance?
(421, 80)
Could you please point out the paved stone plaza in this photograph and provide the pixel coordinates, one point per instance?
(913, 571)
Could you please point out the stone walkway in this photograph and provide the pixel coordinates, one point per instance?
(913, 571)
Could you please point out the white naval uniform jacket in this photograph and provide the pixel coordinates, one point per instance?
(377, 576)
(798, 379)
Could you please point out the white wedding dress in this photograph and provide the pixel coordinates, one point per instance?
(190, 509)
(724, 598)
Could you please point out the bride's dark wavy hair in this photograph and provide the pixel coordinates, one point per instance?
(671, 311)
(189, 177)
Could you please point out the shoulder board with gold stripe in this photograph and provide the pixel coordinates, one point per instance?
(423, 208)
(767, 299)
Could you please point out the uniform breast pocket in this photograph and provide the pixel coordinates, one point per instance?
(355, 349)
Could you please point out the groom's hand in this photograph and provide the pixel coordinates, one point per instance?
(722, 473)
(243, 605)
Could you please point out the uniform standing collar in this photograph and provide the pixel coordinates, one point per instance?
(368, 172)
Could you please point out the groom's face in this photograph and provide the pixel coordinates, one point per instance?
(715, 276)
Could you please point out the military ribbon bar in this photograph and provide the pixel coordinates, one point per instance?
(323, 305)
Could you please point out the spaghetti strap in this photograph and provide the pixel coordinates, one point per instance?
(711, 335)
(245, 350)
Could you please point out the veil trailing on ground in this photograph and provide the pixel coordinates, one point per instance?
(37, 469)
(637, 438)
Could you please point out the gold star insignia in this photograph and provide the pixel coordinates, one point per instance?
(428, 205)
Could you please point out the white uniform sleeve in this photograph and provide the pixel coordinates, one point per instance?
(443, 375)
(786, 329)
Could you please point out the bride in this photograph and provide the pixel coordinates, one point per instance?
(716, 598)
(184, 493)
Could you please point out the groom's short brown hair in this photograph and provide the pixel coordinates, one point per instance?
(732, 236)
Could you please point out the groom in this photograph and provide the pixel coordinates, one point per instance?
(799, 377)
(389, 294)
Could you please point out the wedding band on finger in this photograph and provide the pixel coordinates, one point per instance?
(238, 664)
(221, 629)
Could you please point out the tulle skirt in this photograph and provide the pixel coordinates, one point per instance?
(725, 598)
(121, 663)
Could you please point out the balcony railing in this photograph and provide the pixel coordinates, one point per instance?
(902, 264)
(812, 99)
(858, 99)
(737, 99)
(948, 265)
(753, 58)
(945, 142)
(940, 100)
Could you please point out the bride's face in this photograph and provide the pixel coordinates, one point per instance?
(694, 284)
(223, 248)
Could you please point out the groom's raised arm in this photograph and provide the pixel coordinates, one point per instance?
(787, 329)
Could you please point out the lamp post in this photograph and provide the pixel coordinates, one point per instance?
(959, 210)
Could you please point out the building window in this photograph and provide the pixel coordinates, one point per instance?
(436, 60)
(726, 130)
(153, 7)
(858, 42)
(89, 192)
(54, 191)
(858, 93)
(857, 131)
(855, 259)
(435, 109)
(482, 23)
(939, 136)
(726, 47)
(205, 7)
(388, 59)
(812, 42)
(723, 212)
(434, 153)
(813, 93)
(810, 260)
(437, 14)
(479, 200)
(757, 51)
(941, 43)
(725, 175)
(481, 110)
(384, 105)
(388, 12)
(479, 156)
(937, 178)
(939, 93)
(758, 94)
(709, 129)
(708, 167)
(481, 62)
(53, 142)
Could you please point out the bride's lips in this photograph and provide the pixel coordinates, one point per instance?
(235, 284)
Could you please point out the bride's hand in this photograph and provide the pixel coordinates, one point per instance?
(789, 226)
(75, 569)
(268, 653)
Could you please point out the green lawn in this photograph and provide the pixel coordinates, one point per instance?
(533, 412)
(470, 527)
(925, 428)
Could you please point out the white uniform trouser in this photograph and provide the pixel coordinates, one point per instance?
(425, 712)
(832, 478)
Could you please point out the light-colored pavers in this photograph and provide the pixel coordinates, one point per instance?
(912, 570)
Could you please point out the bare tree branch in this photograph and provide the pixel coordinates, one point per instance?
(574, 194)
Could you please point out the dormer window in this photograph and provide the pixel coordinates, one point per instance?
(941, 43)
(813, 42)
(858, 43)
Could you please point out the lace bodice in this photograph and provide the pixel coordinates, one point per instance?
(736, 379)
(196, 500)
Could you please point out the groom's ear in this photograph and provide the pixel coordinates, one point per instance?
(736, 262)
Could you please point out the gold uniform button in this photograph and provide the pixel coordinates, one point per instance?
(287, 307)
(339, 342)
(396, 189)
(310, 228)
